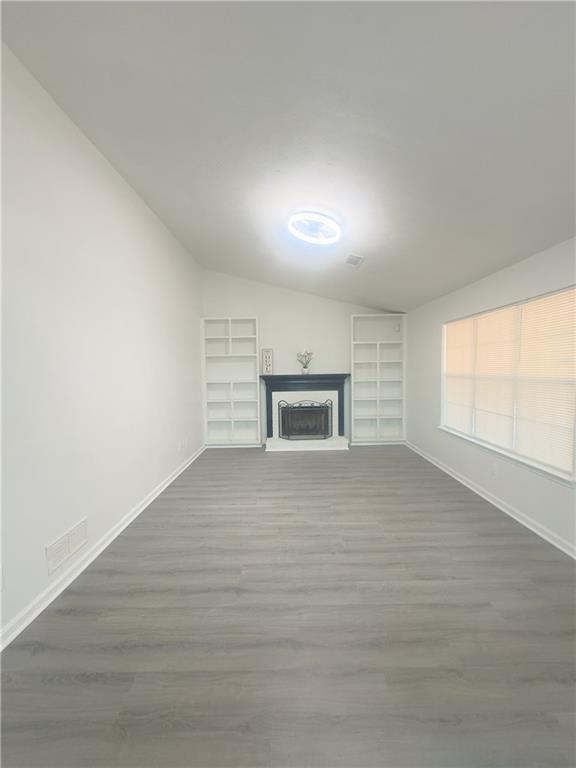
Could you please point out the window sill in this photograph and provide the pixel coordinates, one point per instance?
(548, 473)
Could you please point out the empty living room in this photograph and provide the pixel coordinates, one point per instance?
(288, 384)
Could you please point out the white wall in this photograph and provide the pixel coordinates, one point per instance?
(289, 321)
(544, 503)
(100, 339)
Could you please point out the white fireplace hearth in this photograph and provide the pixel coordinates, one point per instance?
(334, 443)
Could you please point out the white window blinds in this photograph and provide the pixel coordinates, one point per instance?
(510, 380)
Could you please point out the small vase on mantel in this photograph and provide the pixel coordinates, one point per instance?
(305, 358)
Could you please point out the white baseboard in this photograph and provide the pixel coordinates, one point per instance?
(545, 533)
(43, 600)
(217, 446)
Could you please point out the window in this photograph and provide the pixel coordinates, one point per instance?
(509, 380)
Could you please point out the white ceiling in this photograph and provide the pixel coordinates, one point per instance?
(440, 134)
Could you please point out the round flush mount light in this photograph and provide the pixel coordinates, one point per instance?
(315, 228)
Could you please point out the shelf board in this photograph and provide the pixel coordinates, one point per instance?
(377, 342)
(243, 337)
(377, 418)
(231, 419)
(216, 338)
(232, 354)
(219, 401)
(367, 362)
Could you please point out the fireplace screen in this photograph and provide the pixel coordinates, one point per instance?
(305, 420)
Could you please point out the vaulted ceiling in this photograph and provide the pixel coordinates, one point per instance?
(440, 135)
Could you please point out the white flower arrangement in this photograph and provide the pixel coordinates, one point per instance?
(305, 358)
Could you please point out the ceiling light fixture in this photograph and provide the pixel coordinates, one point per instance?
(315, 228)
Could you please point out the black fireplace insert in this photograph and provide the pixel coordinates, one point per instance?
(305, 420)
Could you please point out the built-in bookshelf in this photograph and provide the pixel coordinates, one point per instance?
(377, 357)
(231, 383)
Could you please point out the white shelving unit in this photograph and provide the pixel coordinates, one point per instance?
(377, 357)
(231, 383)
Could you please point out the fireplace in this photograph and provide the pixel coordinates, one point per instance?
(305, 413)
(305, 420)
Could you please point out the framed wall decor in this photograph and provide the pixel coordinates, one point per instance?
(267, 361)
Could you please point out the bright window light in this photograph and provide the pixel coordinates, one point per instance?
(315, 228)
(510, 380)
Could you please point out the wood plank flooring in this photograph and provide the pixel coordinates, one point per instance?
(359, 610)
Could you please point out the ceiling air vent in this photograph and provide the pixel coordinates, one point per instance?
(354, 261)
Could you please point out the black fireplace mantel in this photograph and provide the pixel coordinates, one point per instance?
(298, 382)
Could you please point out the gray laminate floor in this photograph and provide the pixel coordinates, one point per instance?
(355, 609)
